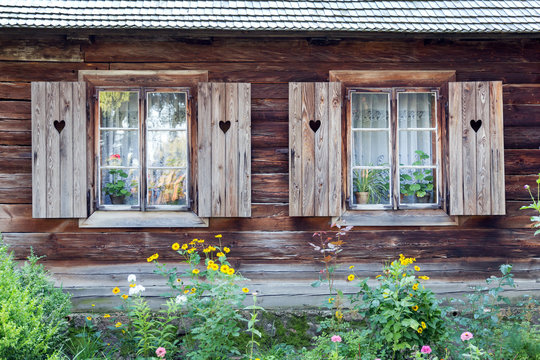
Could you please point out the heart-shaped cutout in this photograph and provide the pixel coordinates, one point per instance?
(59, 125)
(476, 125)
(315, 125)
(224, 126)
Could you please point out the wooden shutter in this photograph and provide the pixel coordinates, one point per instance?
(59, 150)
(476, 148)
(315, 149)
(224, 150)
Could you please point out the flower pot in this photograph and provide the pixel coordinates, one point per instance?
(361, 197)
(117, 199)
(424, 199)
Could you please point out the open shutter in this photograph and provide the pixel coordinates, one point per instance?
(476, 148)
(224, 150)
(315, 149)
(59, 150)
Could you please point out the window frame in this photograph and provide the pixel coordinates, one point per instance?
(143, 146)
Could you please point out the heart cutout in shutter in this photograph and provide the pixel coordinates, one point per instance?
(476, 125)
(59, 125)
(315, 125)
(224, 126)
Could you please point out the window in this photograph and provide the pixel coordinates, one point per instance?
(143, 149)
(395, 148)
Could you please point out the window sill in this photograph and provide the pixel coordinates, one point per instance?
(138, 219)
(399, 218)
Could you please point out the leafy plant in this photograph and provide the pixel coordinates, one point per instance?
(421, 181)
(118, 186)
(32, 311)
(373, 182)
(535, 205)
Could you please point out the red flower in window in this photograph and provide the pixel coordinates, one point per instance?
(114, 156)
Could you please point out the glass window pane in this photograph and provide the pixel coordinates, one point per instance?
(119, 148)
(370, 148)
(166, 110)
(416, 110)
(167, 187)
(417, 147)
(119, 109)
(369, 110)
(119, 186)
(371, 186)
(417, 186)
(167, 148)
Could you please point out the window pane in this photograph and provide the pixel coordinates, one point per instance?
(119, 186)
(167, 187)
(119, 148)
(166, 110)
(370, 148)
(416, 110)
(417, 186)
(369, 110)
(417, 147)
(374, 183)
(119, 109)
(167, 148)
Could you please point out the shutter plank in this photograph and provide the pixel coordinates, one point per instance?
(53, 152)
(66, 149)
(469, 148)
(497, 148)
(39, 148)
(79, 150)
(483, 151)
(244, 149)
(231, 150)
(204, 156)
(295, 149)
(308, 150)
(334, 148)
(218, 151)
(321, 150)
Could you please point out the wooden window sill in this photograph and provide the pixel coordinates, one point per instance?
(138, 219)
(435, 217)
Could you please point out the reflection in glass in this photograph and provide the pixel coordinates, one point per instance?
(416, 110)
(417, 185)
(369, 110)
(123, 144)
(167, 148)
(167, 187)
(166, 110)
(119, 109)
(119, 186)
(371, 186)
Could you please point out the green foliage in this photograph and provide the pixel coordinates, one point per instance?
(32, 310)
(372, 181)
(400, 312)
(86, 342)
(421, 181)
(118, 186)
(535, 205)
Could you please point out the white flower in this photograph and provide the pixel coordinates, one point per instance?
(136, 290)
(181, 299)
(132, 278)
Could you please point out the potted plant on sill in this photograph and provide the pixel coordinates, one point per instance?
(420, 184)
(369, 186)
(117, 188)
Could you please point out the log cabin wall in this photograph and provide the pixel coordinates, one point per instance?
(270, 248)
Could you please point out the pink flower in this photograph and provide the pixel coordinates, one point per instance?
(160, 352)
(425, 349)
(336, 338)
(466, 336)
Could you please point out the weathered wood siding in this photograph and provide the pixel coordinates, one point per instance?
(270, 247)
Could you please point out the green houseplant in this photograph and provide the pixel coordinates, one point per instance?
(369, 186)
(420, 184)
(116, 189)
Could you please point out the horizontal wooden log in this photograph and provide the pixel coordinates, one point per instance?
(15, 152)
(15, 138)
(13, 181)
(270, 135)
(17, 195)
(15, 109)
(39, 50)
(522, 137)
(269, 104)
(15, 125)
(522, 161)
(44, 71)
(521, 94)
(270, 188)
(15, 91)
(269, 160)
(269, 91)
(514, 186)
(521, 115)
(15, 166)
(270, 116)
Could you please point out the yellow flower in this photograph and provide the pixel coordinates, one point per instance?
(124, 296)
(106, 316)
(215, 267)
(211, 262)
(424, 277)
(415, 286)
(192, 290)
(201, 241)
(419, 330)
(339, 314)
(245, 290)
(218, 236)
(186, 291)
(230, 271)
(378, 276)
(132, 285)
(350, 277)
(155, 256)
(93, 305)
(226, 250)
(175, 246)
(115, 290)
(417, 268)
(351, 267)
(184, 246)
(212, 248)
(195, 271)
(88, 318)
(118, 324)
(330, 300)
(415, 307)
(423, 325)
(224, 268)
(178, 280)
(220, 254)
(150, 259)
(206, 250)
(123, 331)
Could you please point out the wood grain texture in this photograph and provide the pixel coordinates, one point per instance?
(80, 165)
(483, 150)
(66, 148)
(308, 150)
(204, 149)
(218, 151)
(52, 152)
(455, 144)
(244, 150)
(231, 150)
(39, 150)
(497, 165)
(295, 149)
(321, 143)
(468, 110)
(334, 149)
